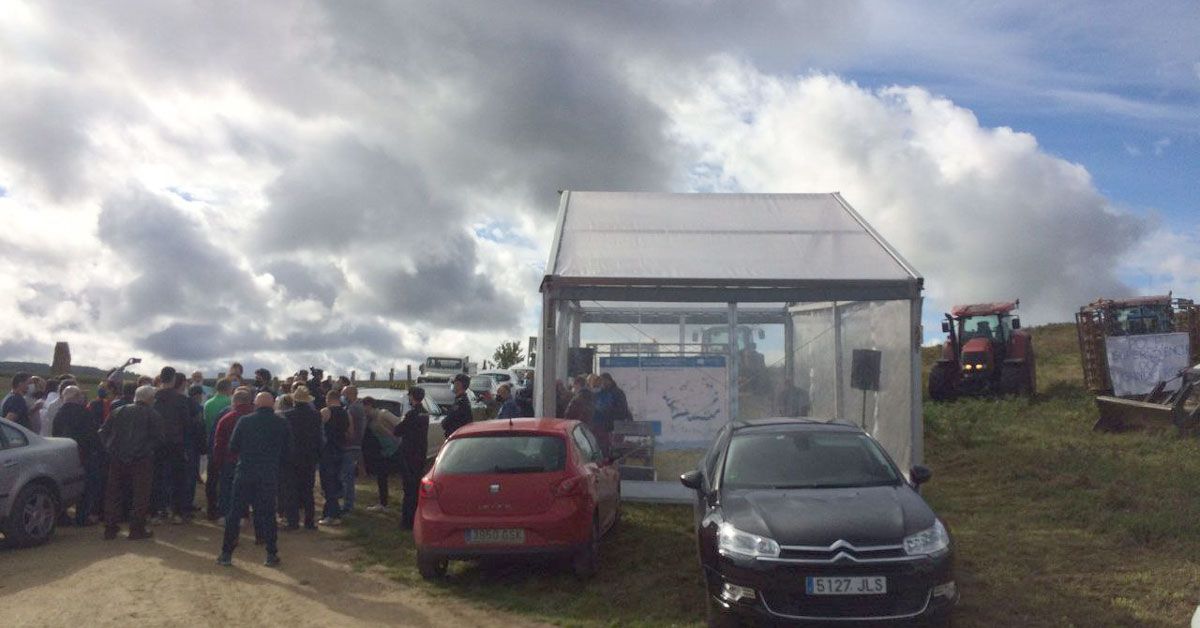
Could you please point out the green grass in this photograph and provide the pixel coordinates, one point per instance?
(1054, 524)
(648, 572)
(1057, 525)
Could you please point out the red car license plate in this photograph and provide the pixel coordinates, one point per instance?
(495, 536)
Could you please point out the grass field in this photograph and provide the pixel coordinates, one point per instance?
(1054, 525)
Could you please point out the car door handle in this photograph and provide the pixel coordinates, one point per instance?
(10, 463)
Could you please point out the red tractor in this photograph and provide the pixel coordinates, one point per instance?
(987, 352)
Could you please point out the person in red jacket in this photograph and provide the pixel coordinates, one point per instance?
(224, 460)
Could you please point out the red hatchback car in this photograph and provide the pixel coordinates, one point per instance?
(529, 487)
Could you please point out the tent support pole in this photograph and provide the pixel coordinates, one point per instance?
(547, 352)
(682, 333)
(733, 363)
(918, 416)
(839, 403)
(789, 363)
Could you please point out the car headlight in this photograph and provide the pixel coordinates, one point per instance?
(931, 541)
(731, 540)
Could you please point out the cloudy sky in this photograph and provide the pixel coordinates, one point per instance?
(360, 184)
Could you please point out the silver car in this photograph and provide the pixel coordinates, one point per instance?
(39, 478)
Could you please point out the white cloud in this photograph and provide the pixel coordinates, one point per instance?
(982, 212)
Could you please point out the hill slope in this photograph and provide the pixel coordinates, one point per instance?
(1057, 525)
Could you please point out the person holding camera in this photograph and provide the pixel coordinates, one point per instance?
(460, 411)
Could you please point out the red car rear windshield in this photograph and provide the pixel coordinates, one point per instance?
(503, 453)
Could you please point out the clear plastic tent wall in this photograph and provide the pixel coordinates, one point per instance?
(711, 308)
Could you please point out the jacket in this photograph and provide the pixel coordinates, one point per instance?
(581, 407)
(305, 424)
(173, 410)
(605, 410)
(131, 433)
(413, 432)
(261, 441)
(509, 409)
(79, 424)
(458, 416)
(224, 432)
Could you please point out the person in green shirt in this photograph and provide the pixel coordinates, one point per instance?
(213, 409)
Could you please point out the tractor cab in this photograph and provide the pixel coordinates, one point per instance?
(985, 352)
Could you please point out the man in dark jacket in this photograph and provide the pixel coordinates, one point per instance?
(76, 422)
(581, 407)
(261, 441)
(460, 411)
(301, 466)
(413, 432)
(174, 412)
(131, 437)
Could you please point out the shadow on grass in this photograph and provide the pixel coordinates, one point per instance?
(648, 576)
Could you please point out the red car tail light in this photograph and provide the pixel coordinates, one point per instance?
(428, 489)
(568, 487)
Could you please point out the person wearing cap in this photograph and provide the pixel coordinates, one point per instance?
(261, 441)
(300, 468)
(131, 437)
(460, 410)
(413, 433)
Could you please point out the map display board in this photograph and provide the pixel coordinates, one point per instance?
(686, 396)
(1136, 364)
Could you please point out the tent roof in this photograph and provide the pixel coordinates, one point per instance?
(692, 247)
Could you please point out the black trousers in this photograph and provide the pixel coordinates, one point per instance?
(257, 488)
(410, 481)
(296, 493)
(212, 482)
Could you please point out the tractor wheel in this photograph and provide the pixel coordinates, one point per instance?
(941, 384)
(1014, 379)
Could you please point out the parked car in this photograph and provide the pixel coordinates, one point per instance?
(530, 487)
(484, 386)
(802, 522)
(39, 478)
(396, 402)
(443, 396)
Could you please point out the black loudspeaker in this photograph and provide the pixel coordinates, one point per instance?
(580, 361)
(864, 369)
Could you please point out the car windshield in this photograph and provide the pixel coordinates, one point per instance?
(803, 459)
(507, 453)
(481, 382)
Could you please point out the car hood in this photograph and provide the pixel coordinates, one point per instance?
(877, 515)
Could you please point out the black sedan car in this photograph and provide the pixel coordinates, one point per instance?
(803, 522)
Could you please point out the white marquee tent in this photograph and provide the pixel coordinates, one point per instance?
(802, 275)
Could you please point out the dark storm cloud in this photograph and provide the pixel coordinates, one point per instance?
(43, 129)
(303, 281)
(444, 290)
(177, 269)
(201, 342)
(344, 193)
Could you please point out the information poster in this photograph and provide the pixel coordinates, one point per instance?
(687, 396)
(1136, 364)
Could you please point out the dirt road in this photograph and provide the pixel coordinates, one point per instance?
(78, 579)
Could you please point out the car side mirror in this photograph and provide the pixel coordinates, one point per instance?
(692, 479)
(945, 327)
(920, 474)
(1016, 323)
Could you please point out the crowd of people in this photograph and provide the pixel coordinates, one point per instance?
(142, 444)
